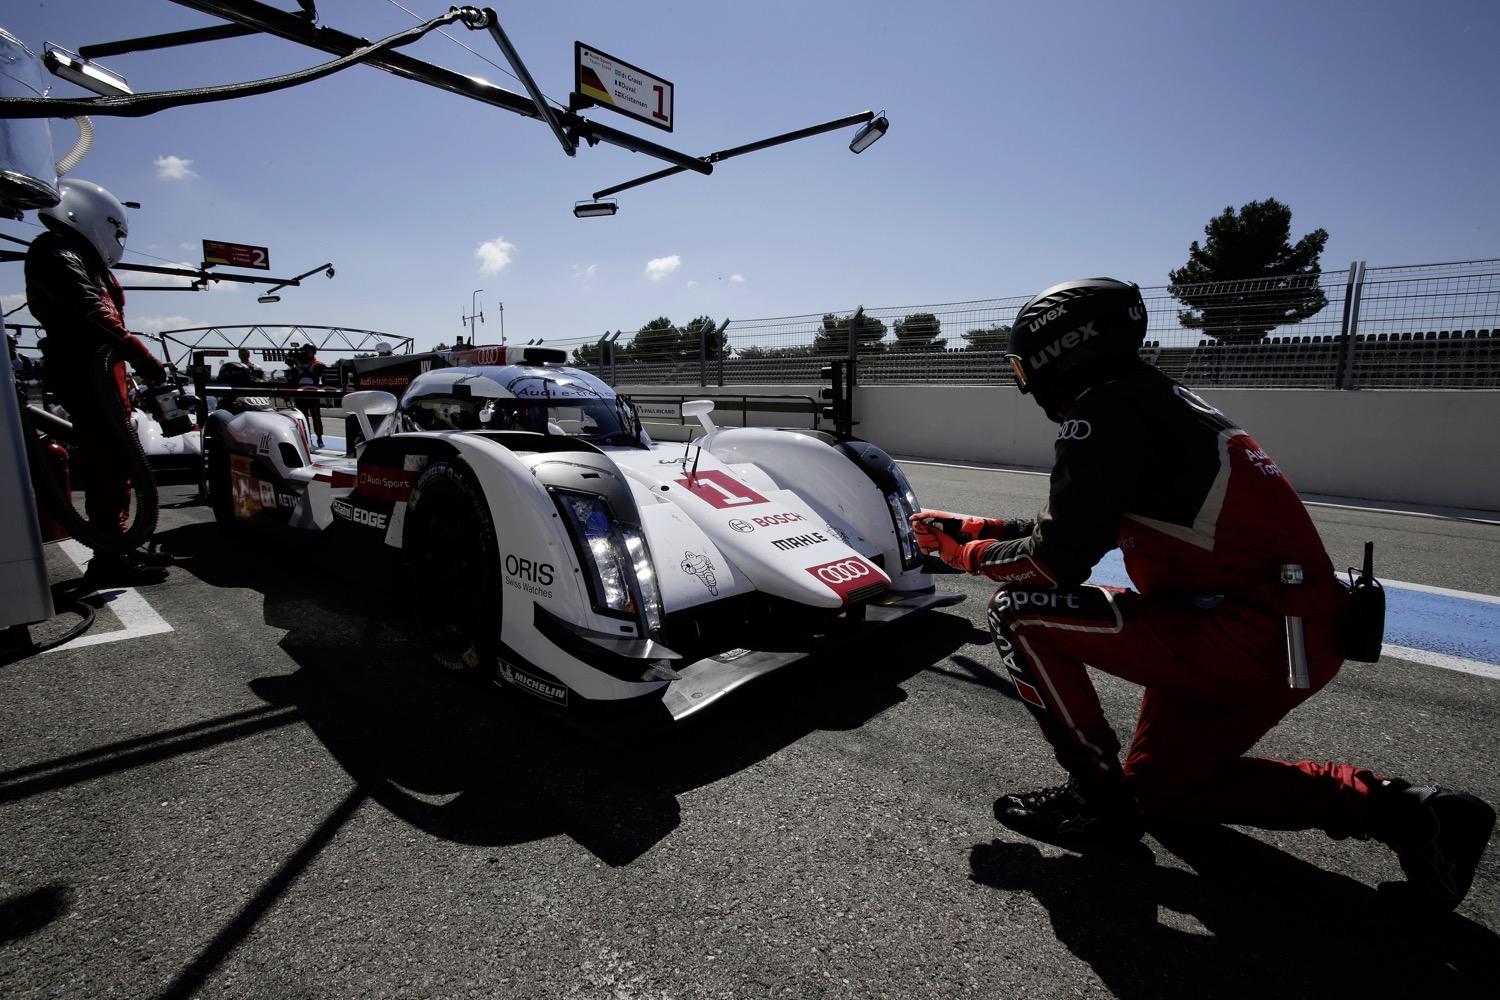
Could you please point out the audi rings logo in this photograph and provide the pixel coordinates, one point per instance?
(844, 571)
(741, 526)
(1074, 430)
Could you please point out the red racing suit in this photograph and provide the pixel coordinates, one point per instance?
(1205, 519)
(79, 302)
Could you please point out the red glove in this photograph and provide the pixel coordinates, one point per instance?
(142, 360)
(957, 539)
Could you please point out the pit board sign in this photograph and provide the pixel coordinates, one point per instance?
(236, 254)
(616, 84)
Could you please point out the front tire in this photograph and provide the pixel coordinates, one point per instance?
(453, 563)
(219, 488)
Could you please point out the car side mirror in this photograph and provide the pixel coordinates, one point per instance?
(700, 408)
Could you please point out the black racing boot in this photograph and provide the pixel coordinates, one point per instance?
(1074, 815)
(1438, 835)
(128, 569)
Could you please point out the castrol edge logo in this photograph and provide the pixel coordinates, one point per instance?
(844, 576)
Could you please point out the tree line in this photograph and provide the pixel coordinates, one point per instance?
(1243, 280)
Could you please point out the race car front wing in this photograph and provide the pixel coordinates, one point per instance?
(703, 682)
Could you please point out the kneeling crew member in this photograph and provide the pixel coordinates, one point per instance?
(1205, 519)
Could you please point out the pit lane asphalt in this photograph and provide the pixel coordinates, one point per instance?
(279, 798)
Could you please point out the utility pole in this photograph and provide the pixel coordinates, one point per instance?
(474, 313)
(502, 324)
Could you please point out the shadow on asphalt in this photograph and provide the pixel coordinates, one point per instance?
(25, 914)
(1277, 926)
(475, 764)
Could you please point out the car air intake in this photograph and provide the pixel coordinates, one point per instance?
(289, 456)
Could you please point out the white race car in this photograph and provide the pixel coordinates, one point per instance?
(552, 545)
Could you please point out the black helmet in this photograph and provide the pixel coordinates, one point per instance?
(1075, 335)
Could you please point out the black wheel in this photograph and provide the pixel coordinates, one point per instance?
(453, 565)
(220, 490)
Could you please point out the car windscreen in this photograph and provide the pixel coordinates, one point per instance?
(601, 420)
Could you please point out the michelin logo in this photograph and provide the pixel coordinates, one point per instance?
(547, 691)
(368, 518)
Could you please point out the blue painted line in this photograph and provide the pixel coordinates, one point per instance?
(1439, 623)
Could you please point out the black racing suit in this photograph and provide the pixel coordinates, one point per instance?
(1205, 519)
(74, 296)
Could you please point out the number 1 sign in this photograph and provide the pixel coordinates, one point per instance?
(719, 489)
(615, 84)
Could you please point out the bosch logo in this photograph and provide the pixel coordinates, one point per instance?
(773, 519)
(1074, 430)
(741, 526)
(843, 572)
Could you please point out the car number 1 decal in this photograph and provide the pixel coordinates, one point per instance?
(720, 490)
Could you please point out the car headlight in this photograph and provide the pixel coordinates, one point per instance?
(903, 504)
(622, 580)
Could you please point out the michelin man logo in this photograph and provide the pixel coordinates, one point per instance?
(702, 567)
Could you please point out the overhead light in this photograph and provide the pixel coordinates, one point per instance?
(267, 299)
(590, 209)
(865, 137)
(89, 75)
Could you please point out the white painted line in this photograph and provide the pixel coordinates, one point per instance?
(138, 617)
(975, 468)
(1442, 591)
(1456, 516)
(1399, 511)
(1431, 659)
(76, 551)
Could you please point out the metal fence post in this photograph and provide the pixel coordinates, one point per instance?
(1350, 325)
(703, 353)
(723, 348)
(856, 323)
(600, 346)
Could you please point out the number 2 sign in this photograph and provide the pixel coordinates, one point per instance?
(719, 489)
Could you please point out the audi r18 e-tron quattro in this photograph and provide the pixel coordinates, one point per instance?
(552, 545)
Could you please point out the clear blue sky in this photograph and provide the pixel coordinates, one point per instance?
(1029, 143)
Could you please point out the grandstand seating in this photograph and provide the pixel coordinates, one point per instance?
(1427, 359)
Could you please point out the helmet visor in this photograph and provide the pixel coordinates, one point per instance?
(1019, 371)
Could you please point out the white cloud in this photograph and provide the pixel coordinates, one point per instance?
(657, 268)
(692, 282)
(174, 168)
(585, 273)
(494, 255)
(736, 279)
(156, 324)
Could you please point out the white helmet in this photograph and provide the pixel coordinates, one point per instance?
(94, 213)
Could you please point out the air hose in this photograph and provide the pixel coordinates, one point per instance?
(81, 146)
(123, 436)
(139, 105)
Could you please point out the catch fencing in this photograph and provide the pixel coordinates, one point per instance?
(1410, 326)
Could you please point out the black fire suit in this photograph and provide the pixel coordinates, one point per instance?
(79, 303)
(1205, 519)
